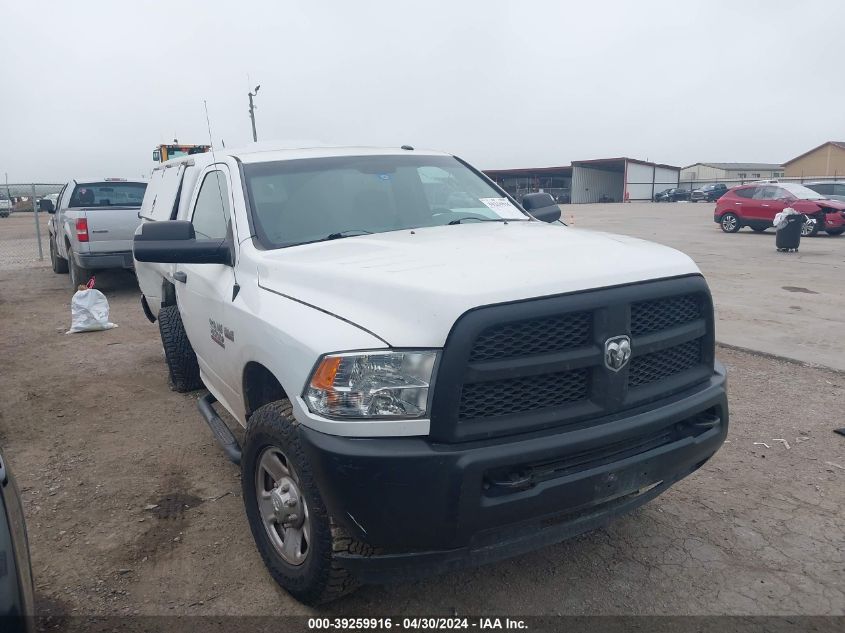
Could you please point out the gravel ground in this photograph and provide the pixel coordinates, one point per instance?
(132, 508)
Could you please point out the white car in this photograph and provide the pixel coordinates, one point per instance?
(429, 376)
(5, 207)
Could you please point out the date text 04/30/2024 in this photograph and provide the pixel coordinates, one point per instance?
(432, 623)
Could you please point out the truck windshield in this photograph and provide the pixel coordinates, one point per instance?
(108, 194)
(309, 200)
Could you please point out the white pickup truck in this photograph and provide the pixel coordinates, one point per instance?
(429, 374)
(92, 225)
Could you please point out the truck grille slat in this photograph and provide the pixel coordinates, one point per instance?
(533, 337)
(665, 363)
(661, 314)
(505, 397)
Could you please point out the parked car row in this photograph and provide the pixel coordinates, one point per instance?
(707, 193)
(756, 205)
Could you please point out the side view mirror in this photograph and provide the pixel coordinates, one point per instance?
(157, 155)
(175, 242)
(46, 205)
(541, 206)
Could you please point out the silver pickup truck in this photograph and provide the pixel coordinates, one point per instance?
(92, 225)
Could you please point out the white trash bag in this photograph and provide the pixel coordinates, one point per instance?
(89, 311)
(782, 218)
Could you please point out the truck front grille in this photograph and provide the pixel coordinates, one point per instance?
(540, 363)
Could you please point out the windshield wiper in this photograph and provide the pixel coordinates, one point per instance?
(459, 220)
(347, 233)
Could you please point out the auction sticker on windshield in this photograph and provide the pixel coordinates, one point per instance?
(502, 206)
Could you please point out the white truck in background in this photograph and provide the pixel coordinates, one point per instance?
(429, 374)
(92, 225)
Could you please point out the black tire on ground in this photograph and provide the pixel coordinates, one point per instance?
(318, 578)
(181, 359)
(730, 223)
(835, 232)
(759, 229)
(59, 264)
(78, 275)
(811, 227)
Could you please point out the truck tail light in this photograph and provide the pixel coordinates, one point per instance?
(82, 229)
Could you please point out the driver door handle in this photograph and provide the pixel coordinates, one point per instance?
(180, 276)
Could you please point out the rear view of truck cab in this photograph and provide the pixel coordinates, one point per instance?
(430, 375)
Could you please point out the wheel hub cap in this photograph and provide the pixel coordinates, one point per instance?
(283, 509)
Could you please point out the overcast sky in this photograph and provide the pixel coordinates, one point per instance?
(89, 87)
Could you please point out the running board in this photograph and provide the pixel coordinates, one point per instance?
(224, 436)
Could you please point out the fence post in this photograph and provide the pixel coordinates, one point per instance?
(37, 224)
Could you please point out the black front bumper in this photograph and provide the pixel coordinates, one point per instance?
(430, 507)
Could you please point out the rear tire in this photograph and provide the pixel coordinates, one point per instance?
(313, 575)
(180, 356)
(835, 232)
(759, 229)
(59, 264)
(78, 275)
(730, 223)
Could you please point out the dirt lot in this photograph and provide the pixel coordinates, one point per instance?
(132, 508)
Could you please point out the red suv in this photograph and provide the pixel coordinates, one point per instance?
(756, 206)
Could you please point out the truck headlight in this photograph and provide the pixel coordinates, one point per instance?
(372, 384)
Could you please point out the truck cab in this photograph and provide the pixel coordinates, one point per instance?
(429, 374)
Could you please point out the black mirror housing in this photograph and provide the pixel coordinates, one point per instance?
(175, 242)
(46, 205)
(541, 206)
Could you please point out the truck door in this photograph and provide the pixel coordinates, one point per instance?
(203, 290)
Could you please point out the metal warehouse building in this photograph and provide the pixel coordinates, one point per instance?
(599, 180)
(618, 179)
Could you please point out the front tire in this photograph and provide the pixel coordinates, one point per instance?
(291, 526)
(730, 223)
(835, 232)
(180, 356)
(59, 264)
(810, 228)
(759, 229)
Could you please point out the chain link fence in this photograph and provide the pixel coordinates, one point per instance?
(24, 239)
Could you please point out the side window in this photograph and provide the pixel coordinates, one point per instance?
(747, 192)
(768, 193)
(838, 190)
(211, 212)
(825, 189)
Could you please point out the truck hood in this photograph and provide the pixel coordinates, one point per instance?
(409, 287)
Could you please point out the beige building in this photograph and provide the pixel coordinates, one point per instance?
(701, 173)
(828, 159)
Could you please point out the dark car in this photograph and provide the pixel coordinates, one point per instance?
(709, 193)
(830, 190)
(672, 195)
(16, 595)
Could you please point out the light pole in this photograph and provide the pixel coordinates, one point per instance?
(252, 112)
